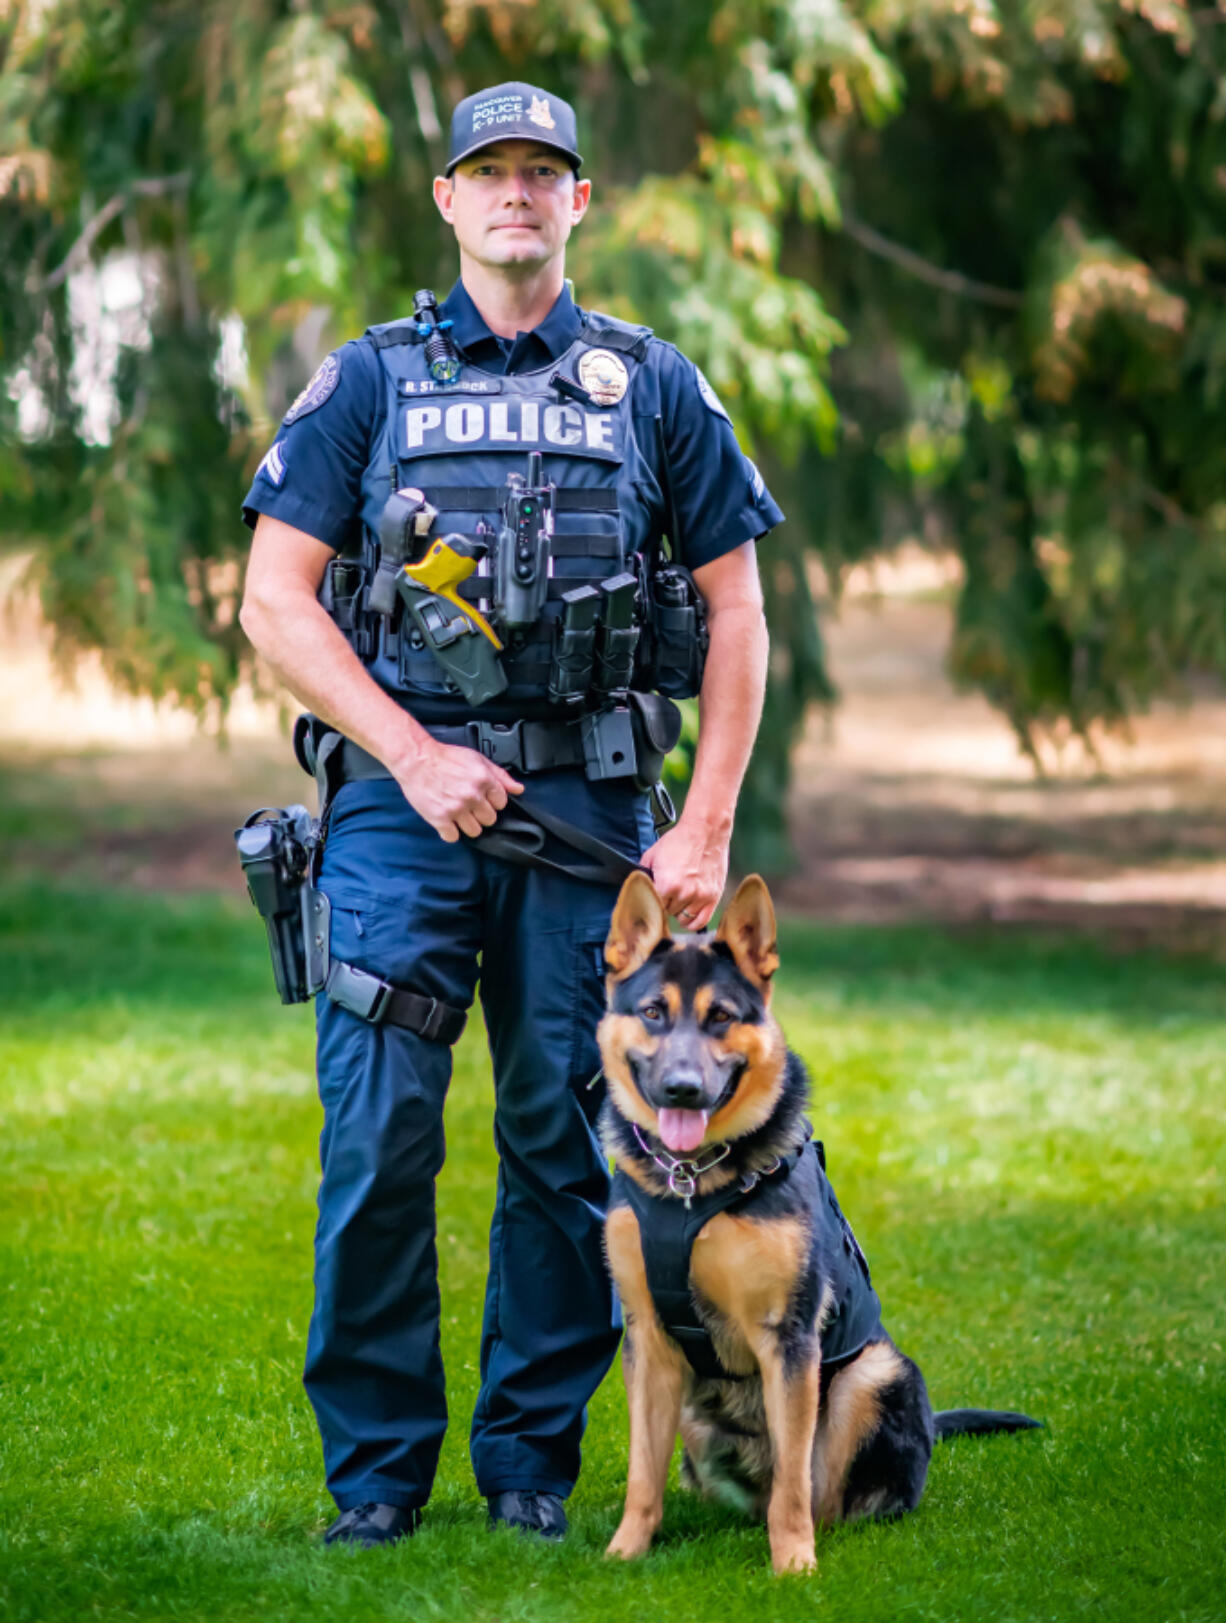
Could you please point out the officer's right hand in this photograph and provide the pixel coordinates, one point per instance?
(455, 789)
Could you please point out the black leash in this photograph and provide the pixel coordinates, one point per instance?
(519, 836)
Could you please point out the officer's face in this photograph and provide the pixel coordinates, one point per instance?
(513, 204)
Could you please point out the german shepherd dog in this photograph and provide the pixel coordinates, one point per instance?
(751, 1324)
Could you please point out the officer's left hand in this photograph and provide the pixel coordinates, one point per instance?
(688, 867)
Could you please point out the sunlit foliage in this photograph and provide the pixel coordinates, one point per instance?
(956, 267)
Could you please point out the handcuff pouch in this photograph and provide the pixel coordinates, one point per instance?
(656, 724)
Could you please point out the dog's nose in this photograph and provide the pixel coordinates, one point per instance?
(683, 1090)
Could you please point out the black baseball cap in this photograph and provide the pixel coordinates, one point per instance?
(512, 112)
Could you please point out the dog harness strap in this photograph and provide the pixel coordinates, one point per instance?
(856, 1318)
(668, 1227)
(668, 1239)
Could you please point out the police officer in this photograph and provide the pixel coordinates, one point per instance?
(638, 445)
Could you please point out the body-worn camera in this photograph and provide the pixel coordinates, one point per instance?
(275, 847)
(525, 531)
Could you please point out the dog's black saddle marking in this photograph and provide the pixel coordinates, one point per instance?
(668, 1228)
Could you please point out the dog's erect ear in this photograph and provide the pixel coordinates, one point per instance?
(747, 929)
(637, 927)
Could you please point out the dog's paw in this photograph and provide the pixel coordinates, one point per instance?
(630, 1542)
(793, 1555)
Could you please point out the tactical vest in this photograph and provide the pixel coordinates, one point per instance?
(457, 442)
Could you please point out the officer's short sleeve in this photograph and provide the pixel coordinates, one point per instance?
(721, 499)
(311, 475)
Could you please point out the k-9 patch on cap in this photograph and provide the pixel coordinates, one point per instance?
(512, 112)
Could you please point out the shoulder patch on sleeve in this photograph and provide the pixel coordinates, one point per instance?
(317, 390)
(756, 482)
(710, 398)
(273, 464)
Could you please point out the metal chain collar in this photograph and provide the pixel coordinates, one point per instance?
(682, 1172)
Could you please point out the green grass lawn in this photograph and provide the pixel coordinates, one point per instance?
(1028, 1136)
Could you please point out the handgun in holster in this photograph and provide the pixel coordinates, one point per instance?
(276, 847)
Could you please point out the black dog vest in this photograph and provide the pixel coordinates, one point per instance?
(668, 1229)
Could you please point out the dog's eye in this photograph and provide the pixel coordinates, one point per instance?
(652, 1011)
(719, 1017)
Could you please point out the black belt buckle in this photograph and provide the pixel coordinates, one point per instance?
(361, 993)
(500, 742)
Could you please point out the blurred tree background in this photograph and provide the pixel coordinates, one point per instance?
(956, 268)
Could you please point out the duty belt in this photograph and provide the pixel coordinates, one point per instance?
(523, 830)
(521, 746)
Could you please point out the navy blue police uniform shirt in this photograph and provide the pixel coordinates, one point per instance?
(311, 478)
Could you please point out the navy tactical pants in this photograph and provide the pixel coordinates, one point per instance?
(423, 914)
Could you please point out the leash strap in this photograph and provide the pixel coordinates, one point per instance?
(519, 836)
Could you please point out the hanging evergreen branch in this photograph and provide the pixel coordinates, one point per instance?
(97, 223)
(963, 287)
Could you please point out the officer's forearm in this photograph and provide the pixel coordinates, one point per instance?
(294, 633)
(730, 708)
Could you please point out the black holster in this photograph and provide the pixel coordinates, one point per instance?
(280, 850)
(276, 847)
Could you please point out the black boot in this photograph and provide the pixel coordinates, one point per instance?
(373, 1524)
(530, 1511)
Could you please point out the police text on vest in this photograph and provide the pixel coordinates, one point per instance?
(508, 422)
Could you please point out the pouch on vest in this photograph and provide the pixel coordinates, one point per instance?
(344, 580)
(656, 722)
(677, 613)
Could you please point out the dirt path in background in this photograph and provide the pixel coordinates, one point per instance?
(912, 801)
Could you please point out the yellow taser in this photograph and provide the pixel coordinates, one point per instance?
(447, 562)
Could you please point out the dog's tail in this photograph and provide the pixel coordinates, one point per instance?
(979, 1422)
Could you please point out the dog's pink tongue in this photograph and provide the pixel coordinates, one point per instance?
(682, 1130)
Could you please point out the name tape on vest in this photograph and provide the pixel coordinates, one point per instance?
(501, 424)
(456, 386)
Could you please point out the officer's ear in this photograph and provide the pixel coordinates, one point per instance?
(444, 197)
(637, 927)
(580, 201)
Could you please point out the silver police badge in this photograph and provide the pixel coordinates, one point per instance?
(603, 375)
